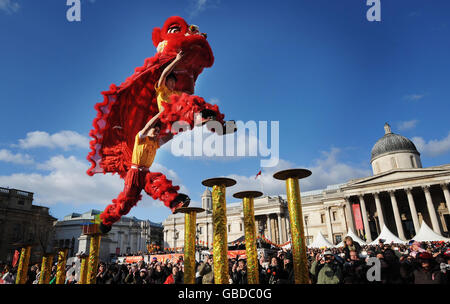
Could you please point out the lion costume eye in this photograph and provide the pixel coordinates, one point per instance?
(173, 29)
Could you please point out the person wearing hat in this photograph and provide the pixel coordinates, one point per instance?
(427, 272)
(325, 269)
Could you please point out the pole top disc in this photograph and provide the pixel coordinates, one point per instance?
(228, 182)
(291, 173)
(189, 210)
(248, 194)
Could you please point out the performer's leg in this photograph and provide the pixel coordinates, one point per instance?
(159, 187)
(126, 200)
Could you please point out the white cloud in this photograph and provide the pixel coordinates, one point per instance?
(434, 147)
(407, 125)
(414, 97)
(9, 6)
(327, 170)
(18, 158)
(66, 181)
(62, 139)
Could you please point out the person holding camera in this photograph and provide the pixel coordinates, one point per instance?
(326, 270)
(206, 270)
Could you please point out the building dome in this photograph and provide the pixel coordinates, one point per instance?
(394, 151)
(392, 142)
(207, 193)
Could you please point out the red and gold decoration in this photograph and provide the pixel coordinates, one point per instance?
(190, 221)
(298, 245)
(84, 268)
(61, 268)
(22, 270)
(220, 239)
(250, 234)
(46, 268)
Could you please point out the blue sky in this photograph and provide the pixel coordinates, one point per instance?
(330, 77)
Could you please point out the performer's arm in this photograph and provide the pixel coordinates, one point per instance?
(169, 69)
(150, 124)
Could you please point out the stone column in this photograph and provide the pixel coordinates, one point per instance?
(379, 210)
(280, 235)
(446, 195)
(412, 207)
(398, 220)
(269, 229)
(328, 222)
(431, 210)
(365, 219)
(349, 214)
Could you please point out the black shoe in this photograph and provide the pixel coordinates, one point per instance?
(182, 200)
(104, 229)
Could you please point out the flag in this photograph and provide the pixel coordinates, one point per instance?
(15, 258)
(259, 173)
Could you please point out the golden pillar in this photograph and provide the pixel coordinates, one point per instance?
(250, 234)
(84, 268)
(298, 242)
(94, 252)
(22, 270)
(46, 268)
(220, 240)
(61, 268)
(190, 220)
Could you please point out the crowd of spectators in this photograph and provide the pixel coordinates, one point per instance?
(415, 263)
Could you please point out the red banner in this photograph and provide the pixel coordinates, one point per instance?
(357, 216)
(134, 259)
(15, 258)
(163, 257)
(235, 253)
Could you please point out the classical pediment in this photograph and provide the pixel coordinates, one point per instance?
(401, 175)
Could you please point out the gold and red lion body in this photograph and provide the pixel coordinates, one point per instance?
(127, 108)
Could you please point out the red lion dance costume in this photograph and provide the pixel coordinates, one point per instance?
(127, 108)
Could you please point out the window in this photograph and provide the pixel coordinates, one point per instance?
(412, 161)
(393, 162)
(21, 202)
(229, 228)
(322, 218)
(306, 220)
(240, 226)
(334, 216)
(337, 238)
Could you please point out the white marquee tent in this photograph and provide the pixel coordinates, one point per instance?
(426, 234)
(320, 241)
(388, 237)
(355, 238)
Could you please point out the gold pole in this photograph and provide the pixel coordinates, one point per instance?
(220, 247)
(248, 206)
(61, 268)
(46, 269)
(298, 243)
(190, 221)
(83, 269)
(94, 252)
(22, 270)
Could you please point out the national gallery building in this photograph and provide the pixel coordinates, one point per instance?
(400, 194)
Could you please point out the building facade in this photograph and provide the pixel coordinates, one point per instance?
(128, 236)
(23, 222)
(400, 194)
